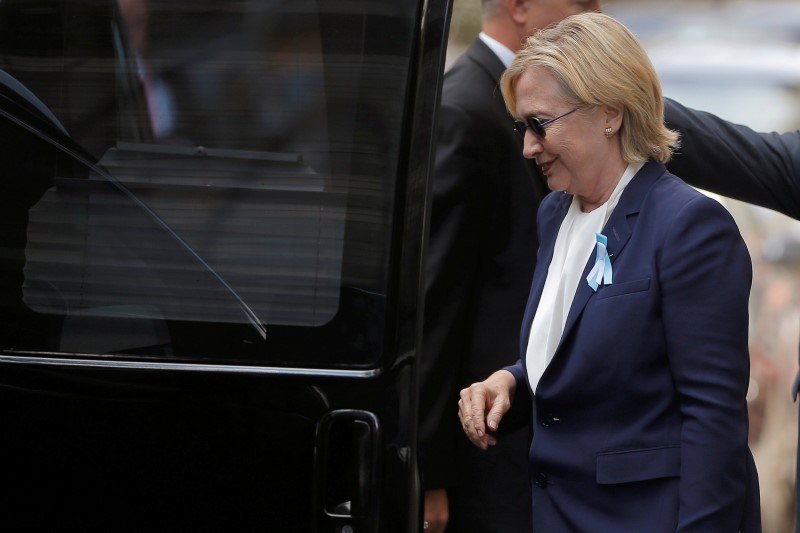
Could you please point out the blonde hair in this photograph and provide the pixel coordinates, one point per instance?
(598, 61)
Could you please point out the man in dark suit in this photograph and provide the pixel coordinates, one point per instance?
(735, 161)
(481, 256)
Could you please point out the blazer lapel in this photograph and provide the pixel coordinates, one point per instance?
(550, 224)
(618, 231)
(481, 54)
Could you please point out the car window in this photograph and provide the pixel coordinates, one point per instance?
(226, 187)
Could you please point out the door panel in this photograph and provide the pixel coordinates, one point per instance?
(212, 235)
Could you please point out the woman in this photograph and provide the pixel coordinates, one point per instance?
(634, 343)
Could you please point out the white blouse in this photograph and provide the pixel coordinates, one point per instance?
(574, 244)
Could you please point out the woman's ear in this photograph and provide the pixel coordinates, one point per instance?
(613, 117)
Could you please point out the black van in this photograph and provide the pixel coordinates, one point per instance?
(212, 220)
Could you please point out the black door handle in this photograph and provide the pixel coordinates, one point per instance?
(346, 469)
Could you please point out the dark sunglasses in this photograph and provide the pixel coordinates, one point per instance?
(536, 125)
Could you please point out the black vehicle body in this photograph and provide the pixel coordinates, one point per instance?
(213, 323)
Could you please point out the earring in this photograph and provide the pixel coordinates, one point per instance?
(609, 132)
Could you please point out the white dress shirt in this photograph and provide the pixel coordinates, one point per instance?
(500, 50)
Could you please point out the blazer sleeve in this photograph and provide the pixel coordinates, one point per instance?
(735, 161)
(704, 273)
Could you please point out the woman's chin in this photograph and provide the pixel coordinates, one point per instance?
(555, 185)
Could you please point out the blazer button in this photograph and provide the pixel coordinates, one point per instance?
(549, 420)
(541, 480)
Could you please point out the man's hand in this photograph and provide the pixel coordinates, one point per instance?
(437, 511)
(491, 398)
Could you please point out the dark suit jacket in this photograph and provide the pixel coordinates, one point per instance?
(641, 419)
(735, 161)
(481, 255)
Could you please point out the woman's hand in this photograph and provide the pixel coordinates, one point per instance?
(483, 405)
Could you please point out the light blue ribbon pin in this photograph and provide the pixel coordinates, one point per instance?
(601, 272)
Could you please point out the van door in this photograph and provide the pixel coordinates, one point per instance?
(213, 216)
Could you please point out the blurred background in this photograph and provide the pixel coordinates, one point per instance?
(741, 61)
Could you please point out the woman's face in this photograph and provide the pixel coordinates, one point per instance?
(575, 155)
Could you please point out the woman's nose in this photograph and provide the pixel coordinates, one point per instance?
(531, 145)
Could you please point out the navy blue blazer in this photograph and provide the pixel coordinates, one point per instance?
(641, 419)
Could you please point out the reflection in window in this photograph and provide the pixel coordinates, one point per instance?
(244, 177)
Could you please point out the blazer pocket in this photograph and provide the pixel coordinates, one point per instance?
(638, 465)
(619, 289)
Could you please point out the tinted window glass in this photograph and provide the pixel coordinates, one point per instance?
(230, 193)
